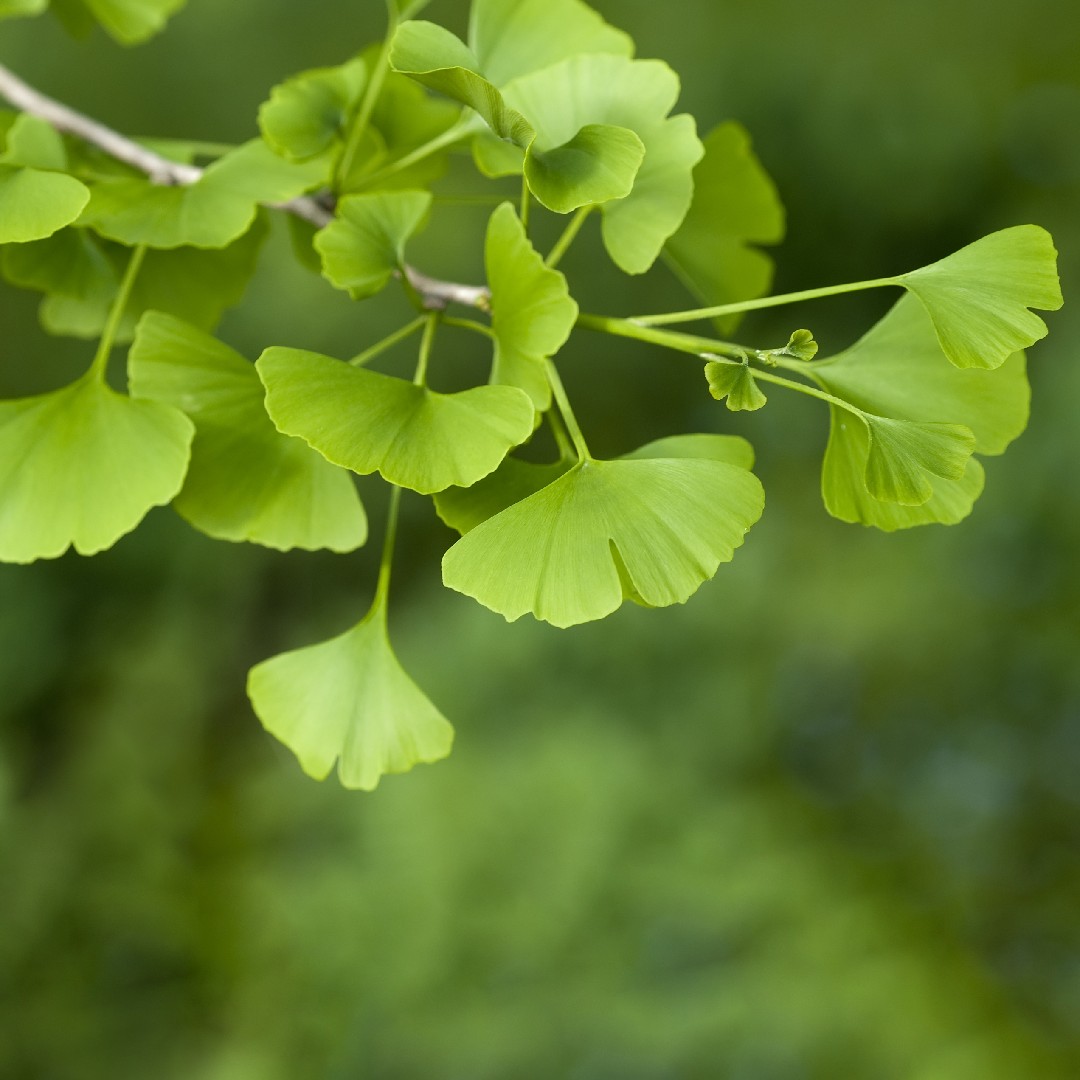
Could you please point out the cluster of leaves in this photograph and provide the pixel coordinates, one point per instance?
(544, 90)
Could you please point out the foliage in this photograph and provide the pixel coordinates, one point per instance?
(548, 92)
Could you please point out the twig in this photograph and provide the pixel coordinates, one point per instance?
(435, 293)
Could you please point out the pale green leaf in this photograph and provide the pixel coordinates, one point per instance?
(532, 312)
(246, 481)
(511, 38)
(735, 206)
(897, 369)
(13, 9)
(348, 700)
(35, 204)
(978, 298)
(365, 243)
(844, 490)
(81, 466)
(131, 22)
(732, 449)
(414, 437)
(905, 454)
(35, 144)
(653, 530)
(736, 383)
(307, 113)
(494, 157)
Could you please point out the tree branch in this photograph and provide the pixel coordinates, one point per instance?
(434, 293)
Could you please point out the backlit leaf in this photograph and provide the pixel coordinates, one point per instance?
(35, 204)
(905, 454)
(35, 144)
(246, 480)
(81, 466)
(365, 243)
(13, 9)
(532, 312)
(978, 298)
(414, 437)
(131, 22)
(736, 383)
(653, 530)
(348, 700)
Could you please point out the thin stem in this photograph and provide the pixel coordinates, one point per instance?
(469, 324)
(562, 245)
(558, 431)
(811, 391)
(669, 339)
(764, 302)
(388, 342)
(382, 590)
(426, 342)
(462, 129)
(367, 102)
(567, 412)
(116, 313)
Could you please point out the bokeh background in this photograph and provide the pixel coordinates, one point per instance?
(821, 823)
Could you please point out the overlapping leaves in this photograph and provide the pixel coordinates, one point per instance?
(246, 480)
(128, 21)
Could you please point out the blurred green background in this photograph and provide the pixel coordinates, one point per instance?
(821, 823)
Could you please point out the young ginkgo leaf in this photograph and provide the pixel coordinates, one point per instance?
(905, 454)
(131, 22)
(592, 163)
(35, 144)
(735, 207)
(81, 466)
(844, 490)
(308, 113)
(652, 530)
(367, 422)
(246, 481)
(211, 213)
(978, 298)
(14, 9)
(363, 246)
(621, 94)
(348, 700)
(735, 382)
(532, 312)
(35, 203)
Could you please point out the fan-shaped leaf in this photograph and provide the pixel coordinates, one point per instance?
(651, 529)
(904, 454)
(246, 481)
(365, 243)
(736, 383)
(348, 700)
(34, 144)
(35, 204)
(82, 466)
(978, 298)
(130, 22)
(532, 312)
(414, 437)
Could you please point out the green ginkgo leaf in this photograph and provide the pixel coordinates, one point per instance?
(80, 274)
(211, 213)
(246, 481)
(979, 297)
(367, 422)
(735, 207)
(735, 382)
(35, 204)
(34, 144)
(13, 9)
(348, 700)
(532, 312)
(627, 95)
(133, 21)
(309, 112)
(81, 466)
(592, 162)
(905, 454)
(652, 530)
(365, 243)
(844, 485)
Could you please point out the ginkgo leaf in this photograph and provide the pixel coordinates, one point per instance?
(590, 162)
(81, 466)
(246, 481)
(35, 204)
(651, 529)
(979, 297)
(904, 454)
(348, 700)
(735, 207)
(307, 113)
(897, 369)
(844, 485)
(80, 274)
(13, 9)
(624, 94)
(414, 437)
(133, 21)
(465, 508)
(736, 383)
(532, 312)
(365, 243)
(211, 213)
(34, 144)
(511, 38)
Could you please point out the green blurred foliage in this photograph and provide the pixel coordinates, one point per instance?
(821, 822)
